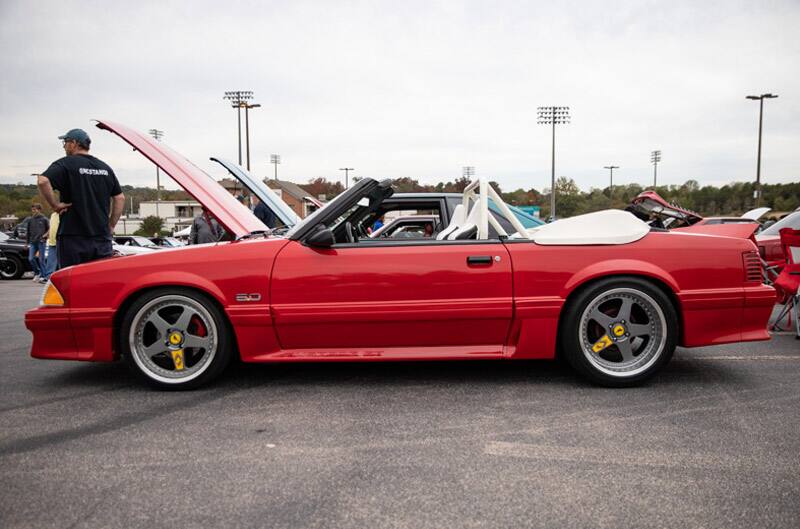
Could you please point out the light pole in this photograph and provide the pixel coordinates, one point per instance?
(275, 159)
(468, 171)
(237, 99)
(247, 129)
(553, 116)
(157, 135)
(655, 157)
(760, 99)
(346, 175)
(611, 177)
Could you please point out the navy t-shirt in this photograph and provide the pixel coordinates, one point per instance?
(88, 184)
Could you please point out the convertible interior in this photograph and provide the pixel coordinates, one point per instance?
(471, 219)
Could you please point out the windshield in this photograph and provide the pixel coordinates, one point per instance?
(792, 220)
(348, 194)
(143, 241)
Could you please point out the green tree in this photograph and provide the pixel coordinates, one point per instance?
(150, 225)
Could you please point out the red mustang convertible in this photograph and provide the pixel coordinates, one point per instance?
(606, 291)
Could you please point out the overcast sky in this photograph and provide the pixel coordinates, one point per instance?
(408, 88)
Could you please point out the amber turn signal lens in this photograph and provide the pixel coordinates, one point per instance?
(52, 296)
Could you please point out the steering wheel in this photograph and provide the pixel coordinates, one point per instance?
(361, 231)
(348, 231)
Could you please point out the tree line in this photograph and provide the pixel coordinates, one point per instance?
(730, 199)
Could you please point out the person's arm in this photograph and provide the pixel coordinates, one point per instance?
(46, 230)
(46, 189)
(193, 232)
(117, 206)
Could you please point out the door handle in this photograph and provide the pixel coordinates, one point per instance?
(479, 260)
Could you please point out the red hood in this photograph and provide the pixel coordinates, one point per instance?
(236, 218)
(652, 202)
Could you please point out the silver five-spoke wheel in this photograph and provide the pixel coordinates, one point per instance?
(175, 338)
(620, 332)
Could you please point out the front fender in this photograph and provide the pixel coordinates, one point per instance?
(169, 278)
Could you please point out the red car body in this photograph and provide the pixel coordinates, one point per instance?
(286, 301)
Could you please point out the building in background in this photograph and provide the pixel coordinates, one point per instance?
(295, 197)
(176, 214)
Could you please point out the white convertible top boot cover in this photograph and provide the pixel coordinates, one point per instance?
(611, 226)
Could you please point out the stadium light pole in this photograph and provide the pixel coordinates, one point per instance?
(553, 116)
(655, 157)
(237, 99)
(275, 159)
(346, 175)
(611, 177)
(157, 135)
(760, 100)
(247, 129)
(468, 172)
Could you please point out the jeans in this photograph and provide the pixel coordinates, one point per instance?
(51, 263)
(37, 263)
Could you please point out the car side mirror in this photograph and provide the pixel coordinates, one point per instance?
(322, 238)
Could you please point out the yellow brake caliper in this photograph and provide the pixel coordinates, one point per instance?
(602, 343)
(177, 359)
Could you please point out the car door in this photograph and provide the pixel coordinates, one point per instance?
(445, 297)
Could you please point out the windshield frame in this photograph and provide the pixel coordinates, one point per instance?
(333, 209)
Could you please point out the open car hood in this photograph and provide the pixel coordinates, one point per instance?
(671, 215)
(266, 195)
(233, 216)
(755, 214)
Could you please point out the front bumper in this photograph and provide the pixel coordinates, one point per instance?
(61, 333)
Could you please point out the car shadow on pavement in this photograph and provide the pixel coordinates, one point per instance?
(240, 375)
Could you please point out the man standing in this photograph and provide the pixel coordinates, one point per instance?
(263, 213)
(87, 186)
(37, 226)
(203, 233)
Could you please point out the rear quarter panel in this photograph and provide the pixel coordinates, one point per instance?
(702, 273)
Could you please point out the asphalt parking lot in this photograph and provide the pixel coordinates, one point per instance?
(714, 441)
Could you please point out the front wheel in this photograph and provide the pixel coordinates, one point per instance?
(619, 332)
(175, 339)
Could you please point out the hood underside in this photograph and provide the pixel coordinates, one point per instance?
(234, 216)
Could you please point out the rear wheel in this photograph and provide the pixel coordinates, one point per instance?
(626, 331)
(175, 339)
(11, 267)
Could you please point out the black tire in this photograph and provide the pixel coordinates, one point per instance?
(202, 364)
(11, 268)
(648, 334)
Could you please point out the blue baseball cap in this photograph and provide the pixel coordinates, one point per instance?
(79, 135)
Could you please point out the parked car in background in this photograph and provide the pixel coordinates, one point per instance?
(136, 240)
(439, 208)
(769, 240)
(16, 257)
(167, 242)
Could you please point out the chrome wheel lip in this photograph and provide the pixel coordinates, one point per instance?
(143, 361)
(641, 363)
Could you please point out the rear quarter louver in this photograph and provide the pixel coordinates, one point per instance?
(752, 266)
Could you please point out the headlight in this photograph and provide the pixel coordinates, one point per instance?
(51, 297)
